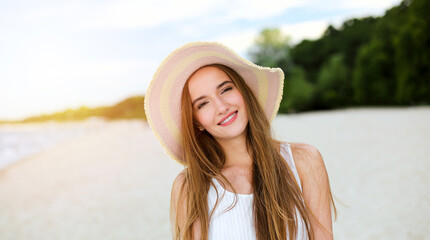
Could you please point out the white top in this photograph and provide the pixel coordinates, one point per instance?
(237, 223)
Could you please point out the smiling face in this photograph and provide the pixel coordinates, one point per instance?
(217, 104)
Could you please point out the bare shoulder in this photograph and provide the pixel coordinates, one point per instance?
(180, 179)
(305, 151)
(316, 187)
(308, 160)
(306, 157)
(178, 184)
(179, 206)
(177, 203)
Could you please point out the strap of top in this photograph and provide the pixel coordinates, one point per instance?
(288, 156)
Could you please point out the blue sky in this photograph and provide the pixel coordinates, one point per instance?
(56, 54)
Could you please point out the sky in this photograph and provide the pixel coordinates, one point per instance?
(56, 54)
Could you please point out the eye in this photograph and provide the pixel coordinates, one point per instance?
(201, 105)
(227, 89)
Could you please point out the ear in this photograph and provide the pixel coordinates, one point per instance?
(200, 127)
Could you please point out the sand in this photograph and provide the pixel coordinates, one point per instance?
(114, 183)
(377, 161)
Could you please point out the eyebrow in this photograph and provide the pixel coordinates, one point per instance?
(217, 87)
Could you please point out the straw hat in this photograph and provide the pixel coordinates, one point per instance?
(163, 97)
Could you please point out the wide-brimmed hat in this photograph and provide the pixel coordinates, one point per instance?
(163, 97)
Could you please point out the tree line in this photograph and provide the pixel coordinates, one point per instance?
(365, 62)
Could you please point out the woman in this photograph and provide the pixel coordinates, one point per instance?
(211, 111)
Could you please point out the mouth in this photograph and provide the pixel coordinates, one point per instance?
(227, 120)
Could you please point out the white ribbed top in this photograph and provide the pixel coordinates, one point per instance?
(237, 223)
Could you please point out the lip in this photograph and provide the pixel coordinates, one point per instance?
(227, 123)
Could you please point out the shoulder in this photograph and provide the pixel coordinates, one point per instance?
(316, 187)
(178, 184)
(177, 202)
(305, 152)
(180, 179)
(309, 162)
(307, 157)
(179, 205)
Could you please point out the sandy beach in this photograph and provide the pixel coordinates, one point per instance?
(115, 182)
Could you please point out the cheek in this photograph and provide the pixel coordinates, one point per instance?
(238, 100)
(203, 117)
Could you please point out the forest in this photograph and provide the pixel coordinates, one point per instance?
(371, 61)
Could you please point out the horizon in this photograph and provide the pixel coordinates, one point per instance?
(59, 56)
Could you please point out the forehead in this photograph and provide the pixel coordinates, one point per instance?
(206, 79)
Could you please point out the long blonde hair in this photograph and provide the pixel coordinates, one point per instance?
(276, 192)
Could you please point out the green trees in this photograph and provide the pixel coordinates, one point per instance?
(298, 92)
(333, 83)
(411, 44)
(393, 68)
(368, 61)
(373, 80)
(271, 49)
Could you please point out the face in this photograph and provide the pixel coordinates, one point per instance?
(217, 104)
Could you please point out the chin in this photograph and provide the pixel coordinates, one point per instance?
(233, 134)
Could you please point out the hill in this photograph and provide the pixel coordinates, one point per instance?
(130, 108)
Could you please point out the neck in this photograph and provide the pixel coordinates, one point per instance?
(236, 153)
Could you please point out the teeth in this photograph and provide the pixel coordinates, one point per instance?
(228, 119)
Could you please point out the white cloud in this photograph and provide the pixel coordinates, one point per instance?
(135, 13)
(148, 13)
(350, 4)
(304, 30)
(368, 4)
(239, 42)
(58, 13)
(242, 41)
(50, 12)
(254, 10)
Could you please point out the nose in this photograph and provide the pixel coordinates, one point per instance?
(222, 106)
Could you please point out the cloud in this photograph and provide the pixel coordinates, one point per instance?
(136, 14)
(239, 42)
(368, 4)
(306, 30)
(255, 10)
(242, 41)
(63, 12)
(350, 4)
(128, 14)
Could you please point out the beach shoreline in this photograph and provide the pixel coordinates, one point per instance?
(20, 141)
(115, 182)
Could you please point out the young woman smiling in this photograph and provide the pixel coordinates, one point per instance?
(211, 110)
